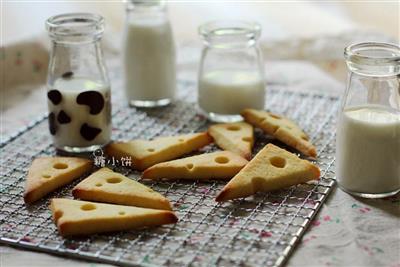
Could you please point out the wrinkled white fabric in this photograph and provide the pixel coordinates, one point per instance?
(347, 232)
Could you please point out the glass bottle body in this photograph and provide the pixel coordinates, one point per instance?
(368, 132)
(78, 88)
(149, 55)
(231, 74)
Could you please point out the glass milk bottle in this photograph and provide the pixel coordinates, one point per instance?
(149, 55)
(231, 74)
(368, 131)
(78, 87)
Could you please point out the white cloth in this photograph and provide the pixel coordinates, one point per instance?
(347, 232)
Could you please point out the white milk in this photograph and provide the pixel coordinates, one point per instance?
(149, 59)
(69, 134)
(368, 150)
(230, 91)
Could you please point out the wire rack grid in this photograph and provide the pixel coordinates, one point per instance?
(261, 230)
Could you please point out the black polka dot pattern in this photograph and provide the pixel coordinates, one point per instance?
(67, 75)
(52, 123)
(63, 117)
(89, 133)
(54, 96)
(93, 99)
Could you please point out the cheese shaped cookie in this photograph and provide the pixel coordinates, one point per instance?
(74, 217)
(271, 169)
(144, 153)
(111, 187)
(49, 173)
(236, 137)
(282, 129)
(217, 165)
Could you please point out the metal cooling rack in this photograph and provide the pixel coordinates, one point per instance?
(257, 231)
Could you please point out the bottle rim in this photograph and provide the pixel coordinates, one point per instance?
(145, 4)
(75, 25)
(373, 53)
(221, 29)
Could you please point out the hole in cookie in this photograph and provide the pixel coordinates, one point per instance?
(46, 176)
(288, 127)
(274, 116)
(60, 166)
(150, 149)
(121, 213)
(221, 160)
(278, 162)
(246, 139)
(87, 207)
(305, 138)
(181, 139)
(189, 166)
(233, 128)
(99, 184)
(114, 180)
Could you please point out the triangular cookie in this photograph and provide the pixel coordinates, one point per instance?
(236, 137)
(146, 153)
(282, 129)
(111, 187)
(271, 169)
(74, 217)
(217, 165)
(49, 173)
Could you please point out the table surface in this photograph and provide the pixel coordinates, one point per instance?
(348, 231)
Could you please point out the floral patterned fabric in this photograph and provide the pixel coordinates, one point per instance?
(348, 231)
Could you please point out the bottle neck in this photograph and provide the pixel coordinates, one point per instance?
(145, 14)
(75, 28)
(230, 42)
(380, 60)
(375, 90)
(76, 40)
(76, 50)
(230, 34)
(374, 71)
(82, 60)
(146, 7)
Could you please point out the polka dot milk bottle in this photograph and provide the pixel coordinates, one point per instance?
(79, 97)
